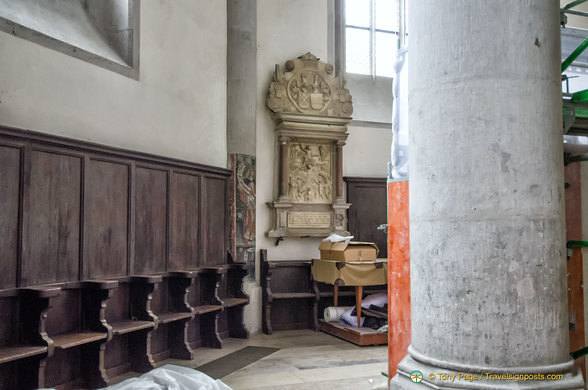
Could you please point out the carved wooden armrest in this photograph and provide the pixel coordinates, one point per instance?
(142, 288)
(210, 282)
(179, 288)
(34, 305)
(95, 294)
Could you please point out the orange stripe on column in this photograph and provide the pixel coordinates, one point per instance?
(398, 274)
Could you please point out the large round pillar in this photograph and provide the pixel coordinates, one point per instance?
(488, 271)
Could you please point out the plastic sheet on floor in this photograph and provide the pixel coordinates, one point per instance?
(171, 377)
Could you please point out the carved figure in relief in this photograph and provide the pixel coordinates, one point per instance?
(310, 173)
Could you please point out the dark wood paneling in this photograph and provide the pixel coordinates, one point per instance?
(215, 229)
(368, 210)
(10, 167)
(118, 308)
(51, 245)
(118, 356)
(8, 316)
(185, 218)
(150, 221)
(62, 319)
(63, 368)
(105, 233)
(73, 210)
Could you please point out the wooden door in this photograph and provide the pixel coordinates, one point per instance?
(368, 210)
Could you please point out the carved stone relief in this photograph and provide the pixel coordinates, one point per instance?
(310, 173)
(311, 108)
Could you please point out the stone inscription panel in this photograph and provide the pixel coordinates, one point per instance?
(300, 219)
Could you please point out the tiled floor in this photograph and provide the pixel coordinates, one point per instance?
(306, 360)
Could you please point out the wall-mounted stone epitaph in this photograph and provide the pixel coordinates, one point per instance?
(311, 109)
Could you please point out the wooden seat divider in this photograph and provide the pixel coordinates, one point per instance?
(76, 323)
(206, 304)
(24, 343)
(170, 305)
(290, 300)
(233, 299)
(132, 320)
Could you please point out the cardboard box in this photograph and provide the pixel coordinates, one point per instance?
(348, 251)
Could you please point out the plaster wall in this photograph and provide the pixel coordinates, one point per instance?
(367, 151)
(177, 108)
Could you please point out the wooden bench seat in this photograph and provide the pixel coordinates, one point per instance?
(232, 302)
(76, 324)
(9, 354)
(70, 340)
(123, 327)
(204, 309)
(289, 297)
(132, 321)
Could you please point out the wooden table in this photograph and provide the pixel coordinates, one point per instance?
(350, 273)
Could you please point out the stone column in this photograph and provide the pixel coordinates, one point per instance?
(339, 171)
(241, 144)
(283, 195)
(487, 250)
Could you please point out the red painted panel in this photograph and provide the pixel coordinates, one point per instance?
(573, 196)
(398, 274)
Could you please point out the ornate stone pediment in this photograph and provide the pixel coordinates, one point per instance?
(309, 87)
(311, 109)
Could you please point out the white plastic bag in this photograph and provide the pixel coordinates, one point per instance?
(171, 377)
(400, 116)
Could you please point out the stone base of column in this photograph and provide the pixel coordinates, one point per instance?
(446, 375)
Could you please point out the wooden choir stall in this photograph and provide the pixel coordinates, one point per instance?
(111, 262)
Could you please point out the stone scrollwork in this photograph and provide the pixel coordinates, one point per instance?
(311, 109)
(309, 87)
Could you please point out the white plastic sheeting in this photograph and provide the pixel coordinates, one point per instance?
(171, 377)
(400, 116)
